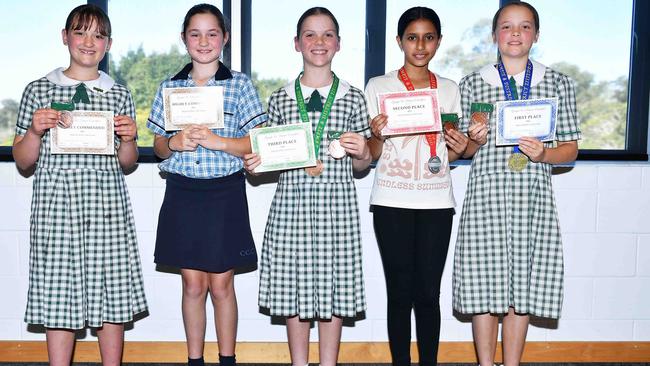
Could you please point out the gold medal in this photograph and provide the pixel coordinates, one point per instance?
(517, 162)
(315, 171)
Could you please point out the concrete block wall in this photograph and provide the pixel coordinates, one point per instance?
(604, 212)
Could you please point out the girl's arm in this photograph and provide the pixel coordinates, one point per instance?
(237, 146)
(376, 140)
(127, 130)
(565, 152)
(26, 147)
(355, 145)
(456, 144)
(477, 133)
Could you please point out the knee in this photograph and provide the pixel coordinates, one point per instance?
(195, 288)
(222, 290)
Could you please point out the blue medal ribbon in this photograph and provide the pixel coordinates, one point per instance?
(510, 87)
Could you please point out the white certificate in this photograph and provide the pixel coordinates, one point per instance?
(202, 105)
(88, 132)
(410, 112)
(283, 147)
(521, 118)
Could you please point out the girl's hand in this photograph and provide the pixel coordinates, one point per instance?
(355, 145)
(43, 120)
(125, 128)
(182, 141)
(251, 161)
(203, 136)
(377, 124)
(533, 148)
(456, 141)
(478, 132)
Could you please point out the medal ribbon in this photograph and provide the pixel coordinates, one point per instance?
(327, 108)
(432, 137)
(510, 87)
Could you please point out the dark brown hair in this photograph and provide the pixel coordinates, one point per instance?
(83, 17)
(317, 10)
(516, 3)
(205, 9)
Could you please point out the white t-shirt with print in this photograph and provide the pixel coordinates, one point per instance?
(402, 178)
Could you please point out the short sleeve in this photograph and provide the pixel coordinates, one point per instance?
(250, 112)
(465, 90)
(156, 121)
(360, 120)
(28, 105)
(568, 123)
(371, 99)
(273, 113)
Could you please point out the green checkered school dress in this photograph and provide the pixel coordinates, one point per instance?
(84, 266)
(311, 255)
(509, 249)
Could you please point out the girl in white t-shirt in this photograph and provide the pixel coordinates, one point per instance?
(412, 197)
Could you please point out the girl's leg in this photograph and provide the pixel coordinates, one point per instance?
(395, 232)
(60, 343)
(515, 327)
(485, 328)
(224, 301)
(298, 335)
(111, 342)
(329, 340)
(195, 291)
(431, 244)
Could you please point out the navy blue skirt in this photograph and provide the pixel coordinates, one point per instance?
(203, 224)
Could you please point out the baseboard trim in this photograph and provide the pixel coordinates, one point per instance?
(351, 352)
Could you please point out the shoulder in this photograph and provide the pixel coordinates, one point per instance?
(38, 86)
(240, 78)
(446, 84)
(558, 77)
(386, 81)
(470, 78)
(121, 89)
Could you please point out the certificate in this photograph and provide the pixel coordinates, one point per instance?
(84, 132)
(283, 147)
(410, 112)
(201, 105)
(530, 117)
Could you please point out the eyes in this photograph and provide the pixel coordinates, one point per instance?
(429, 37)
(209, 34)
(97, 36)
(509, 26)
(311, 35)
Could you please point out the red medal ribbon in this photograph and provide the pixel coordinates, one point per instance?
(432, 137)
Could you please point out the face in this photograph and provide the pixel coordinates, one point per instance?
(419, 43)
(204, 38)
(87, 47)
(318, 41)
(515, 32)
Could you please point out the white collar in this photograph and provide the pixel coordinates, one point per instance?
(490, 74)
(343, 89)
(100, 85)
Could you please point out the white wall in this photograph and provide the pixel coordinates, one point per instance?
(605, 216)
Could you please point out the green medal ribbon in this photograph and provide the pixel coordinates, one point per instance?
(81, 95)
(318, 134)
(57, 106)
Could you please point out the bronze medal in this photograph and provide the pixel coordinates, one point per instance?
(66, 119)
(315, 171)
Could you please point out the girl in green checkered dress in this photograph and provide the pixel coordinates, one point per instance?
(84, 267)
(508, 259)
(311, 256)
